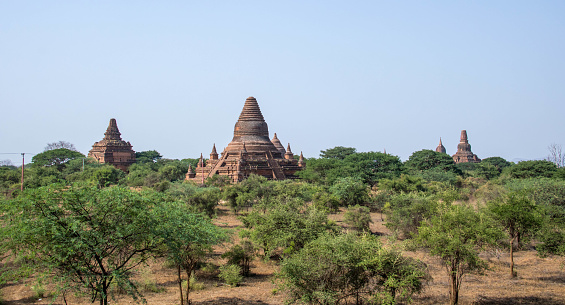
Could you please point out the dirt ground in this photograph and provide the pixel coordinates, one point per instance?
(539, 281)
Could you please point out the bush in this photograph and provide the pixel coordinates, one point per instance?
(350, 191)
(193, 282)
(287, 227)
(404, 184)
(359, 218)
(241, 255)
(532, 169)
(405, 212)
(231, 274)
(348, 268)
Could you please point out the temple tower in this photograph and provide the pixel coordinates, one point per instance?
(464, 153)
(112, 149)
(440, 148)
(250, 151)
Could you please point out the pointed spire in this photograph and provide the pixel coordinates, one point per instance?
(112, 132)
(301, 162)
(189, 168)
(440, 148)
(288, 155)
(214, 153)
(384, 152)
(278, 144)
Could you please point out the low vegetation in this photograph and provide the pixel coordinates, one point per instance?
(91, 229)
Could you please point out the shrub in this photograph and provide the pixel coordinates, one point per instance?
(359, 218)
(241, 255)
(348, 268)
(350, 191)
(405, 212)
(231, 274)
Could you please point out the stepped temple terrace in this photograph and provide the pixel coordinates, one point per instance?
(112, 149)
(464, 153)
(249, 152)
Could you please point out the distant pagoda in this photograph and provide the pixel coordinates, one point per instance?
(440, 148)
(249, 152)
(464, 153)
(112, 149)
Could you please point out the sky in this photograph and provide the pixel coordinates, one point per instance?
(374, 75)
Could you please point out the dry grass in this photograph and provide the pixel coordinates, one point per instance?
(539, 281)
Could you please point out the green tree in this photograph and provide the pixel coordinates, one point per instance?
(187, 238)
(518, 216)
(241, 255)
(359, 218)
(148, 156)
(349, 269)
(338, 152)
(498, 162)
(455, 235)
(106, 175)
(287, 226)
(533, 169)
(486, 170)
(198, 199)
(404, 184)
(172, 172)
(373, 166)
(88, 238)
(56, 157)
(398, 277)
(350, 191)
(428, 159)
(137, 174)
(405, 212)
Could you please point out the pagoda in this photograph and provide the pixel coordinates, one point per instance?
(440, 148)
(464, 153)
(249, 152)
(112, 149)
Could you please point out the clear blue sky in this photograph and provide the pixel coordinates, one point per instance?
(373, 75)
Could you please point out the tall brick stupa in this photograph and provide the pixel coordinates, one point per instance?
(112, 149)
(250, 152)
(464, 153)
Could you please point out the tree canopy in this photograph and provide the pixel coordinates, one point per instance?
(56, 157)
(428, 159)
(85, 237)
(338, 152)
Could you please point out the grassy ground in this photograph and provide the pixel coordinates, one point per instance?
(539, 281)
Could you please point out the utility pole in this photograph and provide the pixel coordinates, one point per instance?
(202, 167)
(23, 163)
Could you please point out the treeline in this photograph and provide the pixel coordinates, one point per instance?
(76, 218)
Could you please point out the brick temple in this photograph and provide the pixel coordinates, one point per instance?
(112, 149)
(464, 153)
(250, 152)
